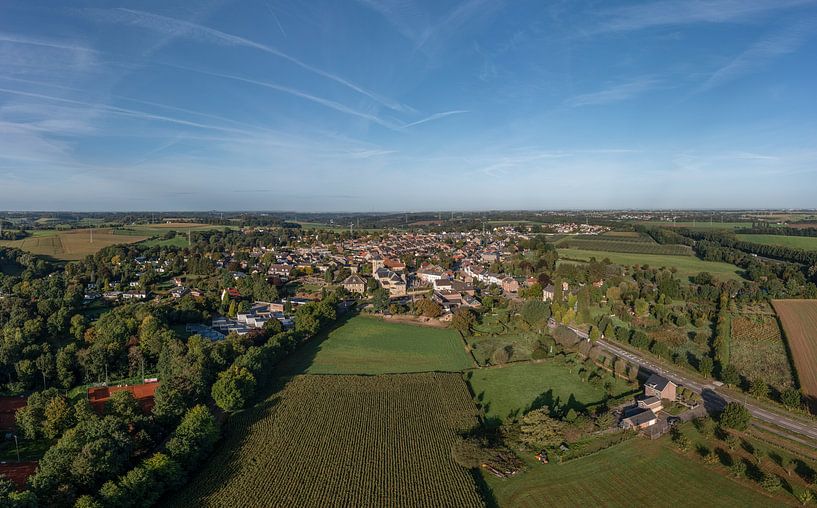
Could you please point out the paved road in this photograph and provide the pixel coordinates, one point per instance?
(714, 400)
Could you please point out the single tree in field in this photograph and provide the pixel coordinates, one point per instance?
(771, 482)
(705, 366)
(791, 398)
(730, 375)
(735, 416)
(759, 388)
(463, 321)
(738, 468)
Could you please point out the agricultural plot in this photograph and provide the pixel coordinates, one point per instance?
(799, 320)
(344, 441)
(758, 351)
(624, 244)
(71, 244)
(616, 477)
(700, 225)
(508, 392)
(686, 266)
(367, 345)
(794, 242)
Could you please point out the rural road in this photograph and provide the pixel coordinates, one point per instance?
(714, 400)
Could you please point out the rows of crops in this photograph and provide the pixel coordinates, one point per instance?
(344, 441)
(627, 245)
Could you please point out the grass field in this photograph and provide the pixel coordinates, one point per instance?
(686, 265)
(508, 392)
(635, 245)
(367, 345)
(726, 226)
(627, 475)
(71, 244)
(799, 320)
(758, 351)
(343, 441)
(795, 242)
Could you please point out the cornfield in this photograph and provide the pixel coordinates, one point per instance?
(344, 441)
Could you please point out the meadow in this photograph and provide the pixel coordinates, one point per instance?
(635, 245)
(794, 242)
(758, 350)
(799, 320)
(508, 392)
(700, 225)
(686, 266)
(72, 244)
(344, 441)
(368, 345)
(628, 475)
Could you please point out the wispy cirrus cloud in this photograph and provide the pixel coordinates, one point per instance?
(682, 12)
(435, 116)
(763, 52)
(402, 14)
(616, 93)
(202, 33)
(328, 103)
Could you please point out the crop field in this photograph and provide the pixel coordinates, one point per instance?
(700, 225)
(617, 477)
(508, 392)
(687, 266)
(344, 441)
(635, 245)
(367, 345)
(758, 351)
(71, 244)
(799, 320)
(622, 234)
(795, 242)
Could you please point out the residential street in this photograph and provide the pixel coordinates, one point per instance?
(714, 400)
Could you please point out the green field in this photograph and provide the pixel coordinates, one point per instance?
(635, 245)
(367, 345)
(356, 441)
(638, 472)
(795, 242)
(727, 226)
(508, 392)
(686, 265)
(71, 244)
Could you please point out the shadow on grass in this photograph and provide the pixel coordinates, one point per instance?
(229, 456)
(299, 361)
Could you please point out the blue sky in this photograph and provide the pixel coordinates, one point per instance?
(391, 105)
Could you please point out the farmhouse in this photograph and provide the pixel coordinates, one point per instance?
(654, 404)
(661, 387)
(547, 293)
(640, 420)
